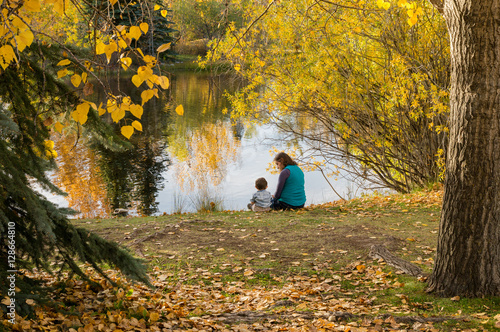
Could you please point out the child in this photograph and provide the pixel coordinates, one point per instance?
(261, 200)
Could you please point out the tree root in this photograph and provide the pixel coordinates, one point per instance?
(250, 317)
(380, 252)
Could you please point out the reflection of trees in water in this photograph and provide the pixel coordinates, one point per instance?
(204, 156)
(100, 178)
(133, 177)
(149, 165)
(79, 175)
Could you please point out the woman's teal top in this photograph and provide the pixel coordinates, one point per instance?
(293, 192)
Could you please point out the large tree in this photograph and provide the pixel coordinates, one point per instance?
(468, 253)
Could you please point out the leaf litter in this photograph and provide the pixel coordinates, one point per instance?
(225, 284)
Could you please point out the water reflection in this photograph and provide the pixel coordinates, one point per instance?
(203, 143)
(203, 157)
(79, 175)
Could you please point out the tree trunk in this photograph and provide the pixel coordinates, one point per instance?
(468, 251)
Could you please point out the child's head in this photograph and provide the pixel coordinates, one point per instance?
(261, 184)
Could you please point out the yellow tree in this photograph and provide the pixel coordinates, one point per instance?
(350, 82)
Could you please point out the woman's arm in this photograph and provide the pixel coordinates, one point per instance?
(285, 173)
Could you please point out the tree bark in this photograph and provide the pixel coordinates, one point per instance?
(468, 251)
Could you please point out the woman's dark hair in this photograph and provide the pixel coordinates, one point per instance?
(261, 183)
(284, 159)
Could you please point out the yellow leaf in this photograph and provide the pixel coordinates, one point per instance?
(23, 40)
(237, 67)
(164, 13)
(163, 48)
(76, 80)
(123, 43)
(146, 95)
(144, 27)
(248, 273)
(101, 110)
(127, 131)
(137, 125)
(150, 60)
(111, 105)
(157, 7)
(94, 107)
(387, 5)
(126, 100)
(154, 316)
(302, 306)
(59, 6)
(360, 267)
(413, 20)
(84, 77)
(18, 23)
(58, 127)
(402, 3)
(126, 62)
(62, 73)
(81, 113)
(136, 110)
(137, 80)
(118, 114)
(110, 49)
(144, 73)
(32, 5)
(112, 2)
(7, 55)
(164, 82)
(179, 110)
(100, 48)
(135, 32)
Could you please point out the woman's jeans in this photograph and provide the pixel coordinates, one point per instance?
(279, 205)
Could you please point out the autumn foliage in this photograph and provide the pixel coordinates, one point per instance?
(363, 84)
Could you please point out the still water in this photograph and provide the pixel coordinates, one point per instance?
(179, 163)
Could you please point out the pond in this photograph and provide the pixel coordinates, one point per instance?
(179, 163)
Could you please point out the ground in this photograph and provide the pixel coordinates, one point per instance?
(306, 270)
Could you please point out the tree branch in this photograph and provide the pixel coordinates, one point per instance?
(438, 4)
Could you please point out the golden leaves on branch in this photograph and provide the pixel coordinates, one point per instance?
(412, 10)
(16, 35)
(125, 62)
(80, 115)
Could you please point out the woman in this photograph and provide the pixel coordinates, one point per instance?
(290, 193)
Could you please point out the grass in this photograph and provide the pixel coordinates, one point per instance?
(326, 244)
